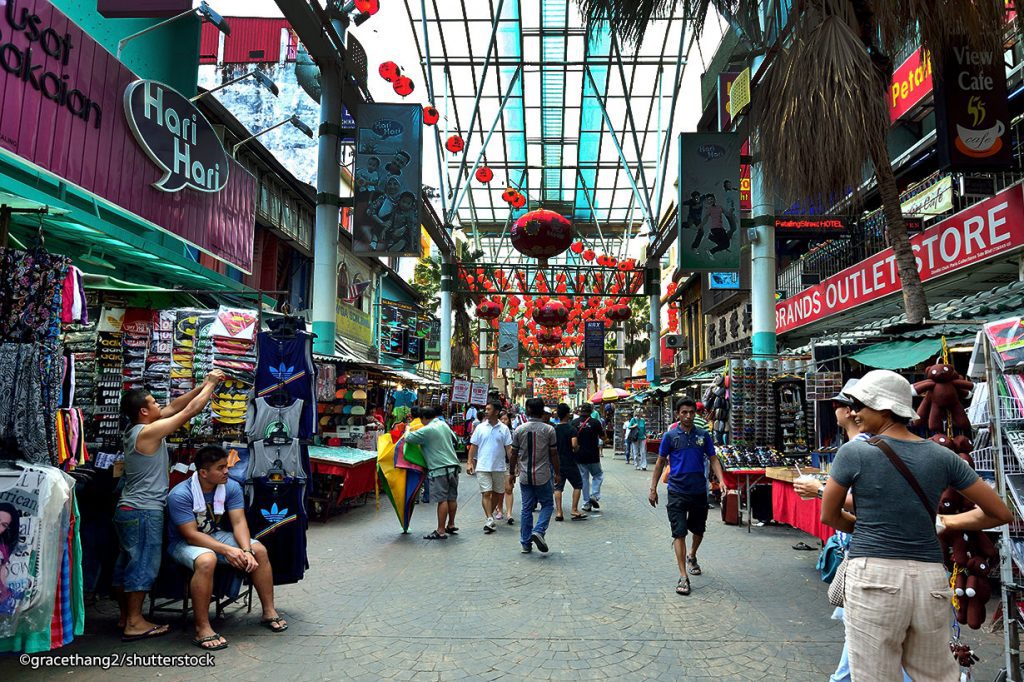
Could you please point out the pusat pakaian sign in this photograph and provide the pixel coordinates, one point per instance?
(177, 137)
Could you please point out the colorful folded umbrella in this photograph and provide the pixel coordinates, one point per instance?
(401, 469)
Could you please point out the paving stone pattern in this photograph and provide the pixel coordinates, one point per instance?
(377, 604)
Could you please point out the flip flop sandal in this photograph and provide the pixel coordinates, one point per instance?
(155, 631)
(683, 587)
(435, 536)
(694, 566)
(269, 623)
(559, 518)
(803, 546)
(452, 530)
(201, 643)
(578, 517)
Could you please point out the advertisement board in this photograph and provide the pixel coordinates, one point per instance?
(911, 83)
(593, 344)
(478, 393)
(389, 149)
(460, 391)
(508, 345)
(931, 201)
(986, 230)
(709, 197)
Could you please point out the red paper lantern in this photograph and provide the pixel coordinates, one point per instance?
(520, 367)
(455, 144)
(549, 337)
(576, 247)
(541, 234)
(484, 174)
(369, 7)
(430, 115)
(404, 86)
(580, 366)
(389, 71)
(509, 195)
(588, 255)
(488, 310)
(551, 314)
(519, 200)
(619, 313)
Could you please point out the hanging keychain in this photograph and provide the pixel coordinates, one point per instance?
(962, 652)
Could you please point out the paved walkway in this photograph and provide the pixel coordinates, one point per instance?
(377, 604)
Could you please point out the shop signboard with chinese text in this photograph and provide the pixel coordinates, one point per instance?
(991, 228)
(63, 112)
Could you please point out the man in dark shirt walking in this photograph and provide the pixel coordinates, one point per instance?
(684, 448)
(570, 471)
(587, 448)
(535, 458)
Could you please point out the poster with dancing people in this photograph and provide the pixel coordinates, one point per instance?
(389, 146)
(709, 201)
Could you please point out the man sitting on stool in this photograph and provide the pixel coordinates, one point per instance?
(195, 509)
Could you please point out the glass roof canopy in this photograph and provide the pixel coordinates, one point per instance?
(577, 106)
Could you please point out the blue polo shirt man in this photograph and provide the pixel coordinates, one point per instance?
(684, 449)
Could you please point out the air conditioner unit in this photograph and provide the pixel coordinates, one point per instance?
(676, 341)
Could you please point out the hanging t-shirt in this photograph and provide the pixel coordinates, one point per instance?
(277, 519)
(180, 510)
(263, 456)
(262, 418)
(404, 397)
(287, 363)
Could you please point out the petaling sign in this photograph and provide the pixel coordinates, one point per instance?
(911, 82)
(36, 53)
(177, 137)
(991, 228)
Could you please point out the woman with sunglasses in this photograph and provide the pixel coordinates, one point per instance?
(897, 600)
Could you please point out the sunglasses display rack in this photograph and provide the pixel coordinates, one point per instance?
(752, 412)
(794, 425)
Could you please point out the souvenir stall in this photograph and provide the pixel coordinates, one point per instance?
(349, 420)
(41, 451)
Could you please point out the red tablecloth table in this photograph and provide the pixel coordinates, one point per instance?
(743, 479)
(790, 508)
(653, 445)
(357, 468)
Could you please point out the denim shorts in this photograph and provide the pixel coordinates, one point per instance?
(186, 554)
(140, 533)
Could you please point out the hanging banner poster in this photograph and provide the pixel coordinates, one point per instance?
(389, 151)
(593, 344)
(508, 345)
(460, 391)
(478, 393)
(709, 196)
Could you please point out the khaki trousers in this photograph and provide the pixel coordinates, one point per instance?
(898, 612)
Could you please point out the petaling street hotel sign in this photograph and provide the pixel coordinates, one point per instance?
(64, 111)
(992, 228)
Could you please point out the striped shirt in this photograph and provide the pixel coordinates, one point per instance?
(532, 444)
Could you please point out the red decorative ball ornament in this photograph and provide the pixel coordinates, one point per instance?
(576, 247)
(509, 195)
(455, 144)
(619, 313)
(580, 366)
(549, 338)
(588, 255)
(390, 71)
(520, 367)
(551, 314)
(488, 310)
(403, 86)
(541, 234)
(430, 115)
(519, 201)
(369, 7)
(484, 174)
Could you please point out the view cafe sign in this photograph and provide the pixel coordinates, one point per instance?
(176, 137)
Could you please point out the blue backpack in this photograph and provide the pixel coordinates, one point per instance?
(831, 556)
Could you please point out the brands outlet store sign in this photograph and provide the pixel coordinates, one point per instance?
(74, 111)
(991, 228)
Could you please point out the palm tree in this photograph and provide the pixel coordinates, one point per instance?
(819, 115)
(427, 278)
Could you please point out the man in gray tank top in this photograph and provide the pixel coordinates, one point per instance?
(139, 519)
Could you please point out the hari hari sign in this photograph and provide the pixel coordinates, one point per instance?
(177, 137)
(61, 96)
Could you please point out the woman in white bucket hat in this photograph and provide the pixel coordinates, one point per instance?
(897, 590)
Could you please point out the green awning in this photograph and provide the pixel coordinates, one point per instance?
(898, 354)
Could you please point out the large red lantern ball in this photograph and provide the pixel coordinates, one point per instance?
(509, 195)
(551, 314)
(549, 337)
(541, 234)
(484, 174)
(455, 144)
(403, 86)
(519, 200)
(576, 247)
(619, 312)
(430, 115)
(520, 367)
(488, 310)
(369, 7)
(389, 71)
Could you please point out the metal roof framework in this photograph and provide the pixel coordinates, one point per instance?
(577, 124)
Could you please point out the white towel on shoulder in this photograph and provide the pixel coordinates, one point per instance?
(199, 500)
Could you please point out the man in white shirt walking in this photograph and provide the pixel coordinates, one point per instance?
(489, 447)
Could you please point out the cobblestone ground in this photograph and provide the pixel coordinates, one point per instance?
(378, 604)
